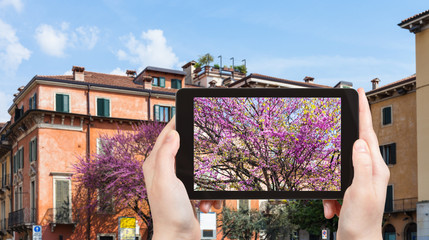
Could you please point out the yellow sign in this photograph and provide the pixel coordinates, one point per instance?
(128, 222)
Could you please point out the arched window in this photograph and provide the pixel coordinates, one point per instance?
(411, 231)
(389, 232)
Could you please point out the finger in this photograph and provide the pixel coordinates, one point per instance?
(366, 132)
(362, 164)
(331, 208)
(205, 206)
(218, 204)
(328, 208)
(165, 156)
(170, 126)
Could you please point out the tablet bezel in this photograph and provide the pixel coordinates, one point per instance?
(185, 125)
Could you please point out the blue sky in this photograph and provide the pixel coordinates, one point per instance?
(331, 41)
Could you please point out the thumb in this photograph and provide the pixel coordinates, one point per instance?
(362, 164)
(166, 155)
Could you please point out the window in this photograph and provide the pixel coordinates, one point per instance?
(18, 198)
(386, 117)
(388, 152)
(176, 83)
(388, 207)
(4, 179)
(62, 102)
(164, 113)
(33, 201)
(18, 160)
(32, 102)
(158, 81)
(62, 200)
(105, 203)
(103, 107)
(100, 145)
(33, 150)
(243, 205)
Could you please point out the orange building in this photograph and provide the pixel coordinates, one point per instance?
(55, 119)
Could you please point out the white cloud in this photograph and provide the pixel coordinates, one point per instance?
(69, 72)
(5, 103)
(150, 50)
(118, 71)
(54, 42)
(86, 37)
(17, 4)
(12, 52)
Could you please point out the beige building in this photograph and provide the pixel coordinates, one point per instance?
(394, 121)
(5, 184)
(419, 25)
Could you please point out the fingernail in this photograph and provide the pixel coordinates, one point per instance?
(360, 146)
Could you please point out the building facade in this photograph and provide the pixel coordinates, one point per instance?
(419, 25)
(394, 121)
(56, 119)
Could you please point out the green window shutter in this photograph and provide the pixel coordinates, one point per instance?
(156, 112)
(35, 101)
(22, 157)
(30, 158)
(388, 207)
(66, 103)
(387, 115)
(155, 81)
(62, 204)
(59, 102)
(106, 107)
(393, 153)
(14, 163)
(100, 107)
(162, 81)
(173, 111)
(30, 103)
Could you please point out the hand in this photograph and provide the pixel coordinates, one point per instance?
(172, 212)
(361, 215)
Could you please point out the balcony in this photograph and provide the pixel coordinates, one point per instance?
(3, 226)
(401, 205)
(63, 216)
(22, 219)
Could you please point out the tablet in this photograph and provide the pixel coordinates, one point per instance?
(254, 143)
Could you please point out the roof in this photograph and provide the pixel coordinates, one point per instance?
(107, 80)
(164, 70)
(393, 84)
(280, 80)
(415, 17)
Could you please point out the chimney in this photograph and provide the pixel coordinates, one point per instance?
(131, 73)
(21, 88)
(189, 69)
(78, 73)
(308, 79)
(147, 82)
(375, 82)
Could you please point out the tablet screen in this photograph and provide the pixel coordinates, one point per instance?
(267, 143)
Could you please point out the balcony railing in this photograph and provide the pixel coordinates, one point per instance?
(60, 216)
(402, 205)
(25, 216)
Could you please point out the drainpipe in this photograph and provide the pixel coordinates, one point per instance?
(148, 106)
(88, 152)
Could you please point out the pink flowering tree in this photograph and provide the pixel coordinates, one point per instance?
(267, 144)
(115, 173)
